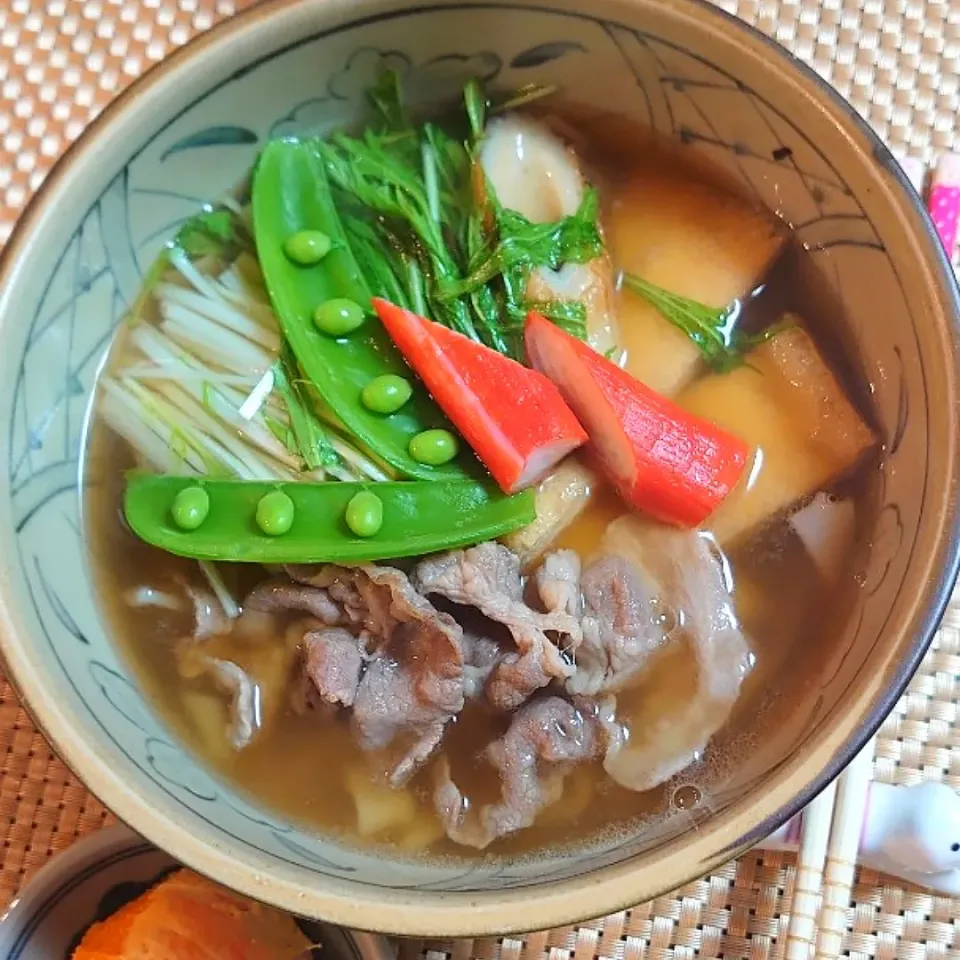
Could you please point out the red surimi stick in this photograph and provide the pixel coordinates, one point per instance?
(513, 417)
(661, 459)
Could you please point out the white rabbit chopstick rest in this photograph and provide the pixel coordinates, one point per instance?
(910, 832)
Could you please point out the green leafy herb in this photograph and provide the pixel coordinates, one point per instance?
(523, 245)
(712, 330)
(379, 257)
(523, 97)
(428, 231)
(416, 286)
(208, 234)
(569, 315)
(214, 232)
(390, 184)
(386, 100)
(476, 106)
(311, 440)
(282, 432)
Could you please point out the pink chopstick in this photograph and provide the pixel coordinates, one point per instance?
(944, 200)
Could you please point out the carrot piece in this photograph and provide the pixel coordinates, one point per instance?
(188, 916)
(104, 941)
(661, 459)
(513, 417)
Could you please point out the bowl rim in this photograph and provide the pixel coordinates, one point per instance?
(421, 912)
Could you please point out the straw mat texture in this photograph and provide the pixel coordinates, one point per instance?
(898, 61)
(739, 911)
(43, 808)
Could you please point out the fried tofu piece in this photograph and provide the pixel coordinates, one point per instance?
(695, 240)
(803, 430)
(560, 499)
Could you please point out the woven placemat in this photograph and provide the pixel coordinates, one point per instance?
(898, 61)
(739, 911)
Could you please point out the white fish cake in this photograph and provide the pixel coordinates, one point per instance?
(560, 499)
(537, 174)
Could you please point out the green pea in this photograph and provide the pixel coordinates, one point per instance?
(190, 507)
(364, 514)
(275, 513)
(307, 247)
(338, 317)
(434, 447)
(386, 394)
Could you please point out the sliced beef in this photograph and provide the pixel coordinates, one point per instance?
(232, 680)
(280, 595)
(334, 663)
(406, 656)
(392, 713)
(244, 699)
(209, 617)
(691, 580)
(359, 593)
(545, 740)
(520, 674)
(253, 676)
(488, 577)
(623, 625)
(481, 654)
(558, 582)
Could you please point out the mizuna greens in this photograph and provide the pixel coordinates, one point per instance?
(428, 230)
(714, 331)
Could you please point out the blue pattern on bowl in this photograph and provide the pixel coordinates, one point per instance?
(203, 151)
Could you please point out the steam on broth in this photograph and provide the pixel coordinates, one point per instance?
(644, 580)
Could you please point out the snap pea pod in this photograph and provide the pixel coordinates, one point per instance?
(417, 517)
(290, 196)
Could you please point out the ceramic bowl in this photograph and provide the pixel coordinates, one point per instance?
(98, 875)
(190, 129)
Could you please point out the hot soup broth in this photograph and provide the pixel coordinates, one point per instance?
(674, 701)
